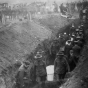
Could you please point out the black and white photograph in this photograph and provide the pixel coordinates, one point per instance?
(43, 43)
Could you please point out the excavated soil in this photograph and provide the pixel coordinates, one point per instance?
(19, 39)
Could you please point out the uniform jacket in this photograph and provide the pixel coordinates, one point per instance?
(67, 49)
(76, 50)
(24, 75)
(40, 68)
(60, 65)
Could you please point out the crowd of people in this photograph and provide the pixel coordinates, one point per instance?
(72, 7)
(67, 50)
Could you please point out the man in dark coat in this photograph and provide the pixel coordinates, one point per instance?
(80, 37)
(76, 50)
(72, 62)
(63, 9)
(40, 68)
(82, 28)
(23, 76)
(72, 29)
(68, 47)
(65, 36)
(61, 41)
(61, 66)
(79, 43)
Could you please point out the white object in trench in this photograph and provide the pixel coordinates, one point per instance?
(50, 72)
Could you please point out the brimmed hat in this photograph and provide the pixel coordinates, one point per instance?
(78, 37)
(76, 42)
(26, 62)
(77, 29)
(68, 41)
(65, 33)
(80, 30)
(38, 55)
(81, 25)
(71, 51)
(73, 35)
(18, 63)
(60, 53)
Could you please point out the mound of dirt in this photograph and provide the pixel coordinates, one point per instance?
(19, 39)
(54, 22)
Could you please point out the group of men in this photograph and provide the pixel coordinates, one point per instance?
(31, 73)
(66, 48)
(67, 56)
(69, 53)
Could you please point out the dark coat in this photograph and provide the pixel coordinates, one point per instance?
(76, 50)
(40, 68)
(72, 30)
(67, 50)
(80, 43)
(55, 47)
(60, 65)
(24, 76)
(72, 62)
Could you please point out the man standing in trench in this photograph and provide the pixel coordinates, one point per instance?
(40, 69)
(23, 76)
(61, 66)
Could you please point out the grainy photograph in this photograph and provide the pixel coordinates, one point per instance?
(43, 43)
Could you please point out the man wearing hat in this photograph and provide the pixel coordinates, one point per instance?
(61, 66)
(68, 47)
(23, 76)
(55, 45)
(17, 64)
(80, 37)
(72, 29)
(72, 62)
(40, 68)
(77, 31)
(79, 43)
(76, 49)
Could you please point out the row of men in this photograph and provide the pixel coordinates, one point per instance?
(72, 7)
(67, 56)
(66, 48)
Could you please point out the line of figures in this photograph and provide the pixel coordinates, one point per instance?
(66, 48)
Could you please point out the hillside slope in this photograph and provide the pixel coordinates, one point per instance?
(20, 39)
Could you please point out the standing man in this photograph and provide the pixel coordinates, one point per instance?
(72, 62)
(40, 69)
(68, 47)
(23, 76)
(76, 50)
(72, 29)
(61, 66)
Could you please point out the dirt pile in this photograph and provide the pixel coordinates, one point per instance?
(20, 39)
(55, 22)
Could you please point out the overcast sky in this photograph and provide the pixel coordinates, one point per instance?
(29, 1)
